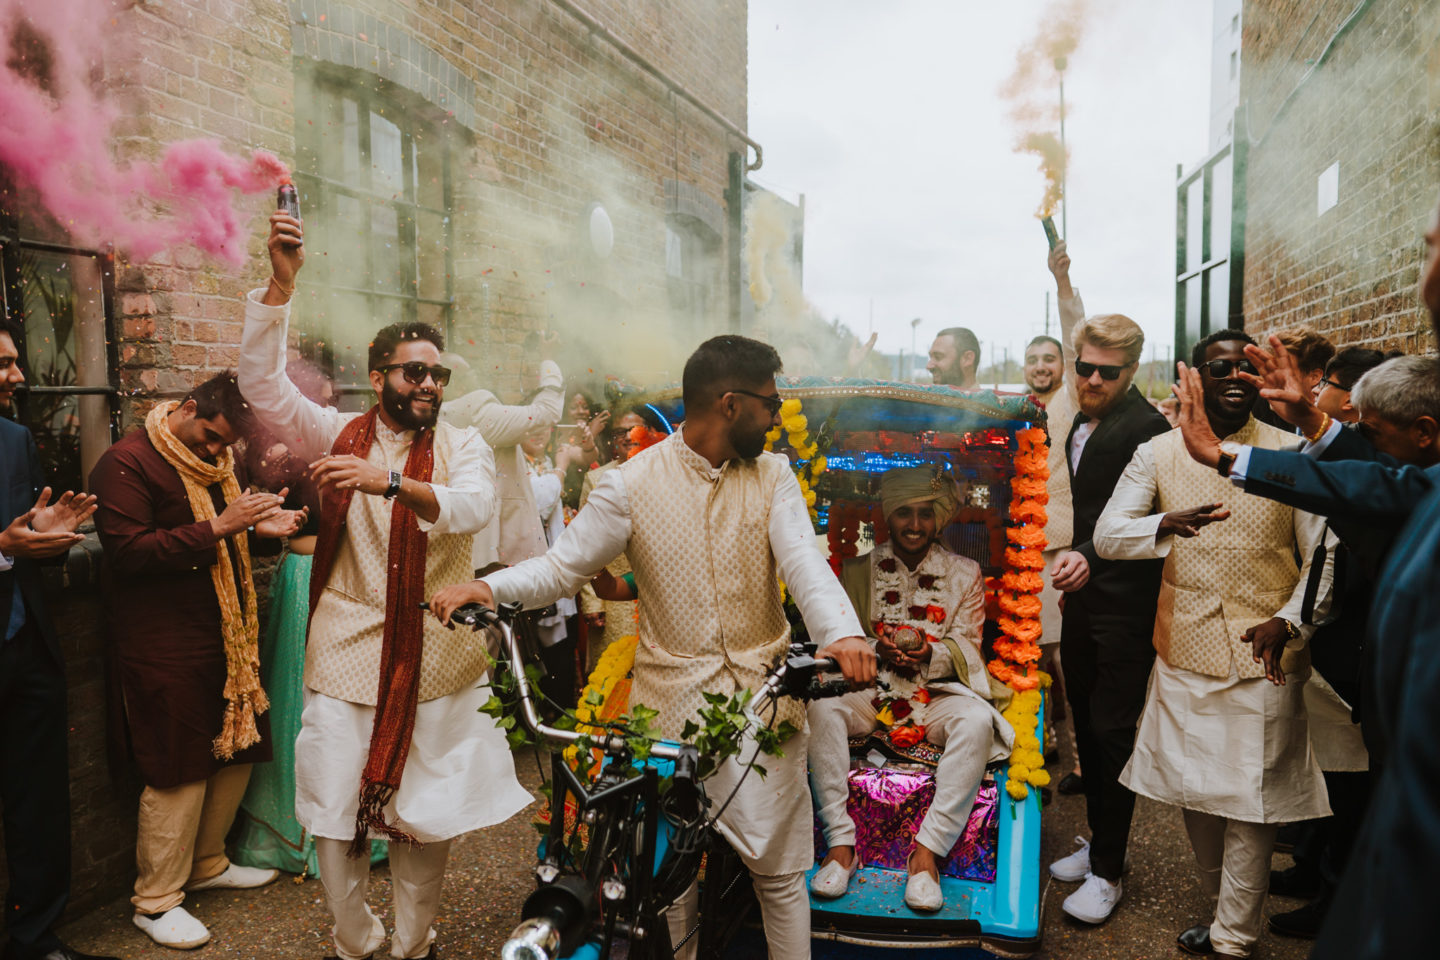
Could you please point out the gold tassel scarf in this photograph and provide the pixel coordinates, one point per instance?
(239, 623)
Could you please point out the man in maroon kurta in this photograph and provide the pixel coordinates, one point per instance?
(164, 619)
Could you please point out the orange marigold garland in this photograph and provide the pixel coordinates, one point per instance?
(1018, 651)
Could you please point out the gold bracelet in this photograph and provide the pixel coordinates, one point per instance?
(288, 291)
(1320, 432)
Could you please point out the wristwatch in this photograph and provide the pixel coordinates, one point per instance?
(393, 490)
(1229, 452)
(1292, 632)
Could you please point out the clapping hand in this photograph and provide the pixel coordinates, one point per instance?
(283, 523)
(347, 472)
(1189, 522)
(46, 529)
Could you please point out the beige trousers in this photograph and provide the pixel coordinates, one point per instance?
(416, 874)
(181, 836)
(784, 909)
(1234, 861)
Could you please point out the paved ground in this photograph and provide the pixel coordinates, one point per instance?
(490, 876)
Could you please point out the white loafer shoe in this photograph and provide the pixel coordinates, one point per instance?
(832, 880)
(1094, 901)
(176, 928)
(922, 893)
(235, 877)
(1075, 867)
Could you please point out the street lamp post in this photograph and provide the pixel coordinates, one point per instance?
(914, 324)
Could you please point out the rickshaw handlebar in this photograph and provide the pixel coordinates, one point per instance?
(800, 674)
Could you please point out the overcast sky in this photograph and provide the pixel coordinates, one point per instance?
(886, 117)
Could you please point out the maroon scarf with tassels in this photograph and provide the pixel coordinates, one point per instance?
(404, 625)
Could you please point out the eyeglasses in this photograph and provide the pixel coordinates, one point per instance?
(772, 403)
(415, 372)
(1220, 369)
(1107, 371)
(1331, 383)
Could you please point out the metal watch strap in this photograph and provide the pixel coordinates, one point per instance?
(393, 490)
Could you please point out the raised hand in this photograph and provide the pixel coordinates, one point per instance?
(64, 515)
(1195, 429)
(1278, 378)
(1059, 263)
(859, 353)
(287, 249)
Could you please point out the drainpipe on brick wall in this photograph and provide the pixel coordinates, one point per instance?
(630, 53)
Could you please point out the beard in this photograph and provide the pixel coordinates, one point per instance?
(398, 406)
(748, 444)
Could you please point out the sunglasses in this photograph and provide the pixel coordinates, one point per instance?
(1107, 371)
(772, 403)
(415, 372)
(1220, 369)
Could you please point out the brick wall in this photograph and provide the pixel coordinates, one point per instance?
(544, 119)
(1373, 106)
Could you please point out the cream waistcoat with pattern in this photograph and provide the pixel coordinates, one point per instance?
(1237, 573)
(1060, 412)
(342, 659)
(711, 619)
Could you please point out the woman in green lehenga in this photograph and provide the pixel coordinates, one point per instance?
(268, 834)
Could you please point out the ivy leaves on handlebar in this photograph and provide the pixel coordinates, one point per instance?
(718, 735)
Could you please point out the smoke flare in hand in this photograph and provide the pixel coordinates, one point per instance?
(1031, 91)
(55, 131)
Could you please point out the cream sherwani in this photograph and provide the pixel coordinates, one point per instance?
(459, 774)
(1216, 738)
(517, 533)
(959, 717)
(621, 616)
(707, 545)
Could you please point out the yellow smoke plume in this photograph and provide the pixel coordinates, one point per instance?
(1032, 91)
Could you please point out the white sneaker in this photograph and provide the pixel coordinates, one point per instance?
(832, 880)
(175, 928)
(1075, 867)
(235, 877)
(1094, 901)
(922, 893)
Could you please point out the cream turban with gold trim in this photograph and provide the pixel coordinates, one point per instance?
(906, 485)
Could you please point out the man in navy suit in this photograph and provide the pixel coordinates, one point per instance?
(1387, 896)
(34, 768)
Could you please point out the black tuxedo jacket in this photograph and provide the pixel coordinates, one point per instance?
(21, 480)
(1127, 589)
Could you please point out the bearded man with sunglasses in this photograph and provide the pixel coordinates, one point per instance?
(391, 745)
(711, 523)
(1109, 610)
(1224, 735)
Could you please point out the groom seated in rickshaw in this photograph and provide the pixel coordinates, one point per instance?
(924, 609)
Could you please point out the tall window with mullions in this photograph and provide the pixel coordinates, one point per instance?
(375, 186)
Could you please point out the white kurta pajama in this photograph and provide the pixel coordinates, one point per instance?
(1216, 738)
(959, 717)
(458, 775)
(707, 545)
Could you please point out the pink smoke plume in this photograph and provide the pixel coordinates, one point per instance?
(55, 128)
(1032, 92)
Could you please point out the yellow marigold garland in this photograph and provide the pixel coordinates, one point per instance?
(797, 426)
(611, 681)
(1018, 651)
